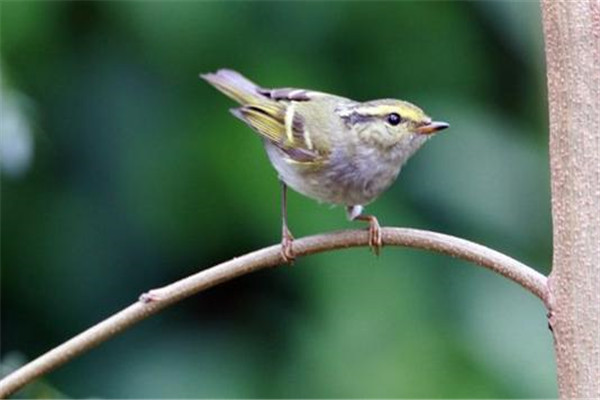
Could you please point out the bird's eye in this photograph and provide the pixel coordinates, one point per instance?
(394, 119)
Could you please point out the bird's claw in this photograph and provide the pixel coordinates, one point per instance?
(375, 236)
(287, 251)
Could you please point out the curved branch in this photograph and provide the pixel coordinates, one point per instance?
(158, 299)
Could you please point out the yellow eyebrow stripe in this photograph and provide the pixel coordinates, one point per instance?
(385, 109)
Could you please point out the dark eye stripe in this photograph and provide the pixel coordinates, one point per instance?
(356, 118)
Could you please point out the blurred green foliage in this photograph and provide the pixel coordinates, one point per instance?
(139, 176)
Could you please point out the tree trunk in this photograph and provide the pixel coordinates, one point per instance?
(572, 38)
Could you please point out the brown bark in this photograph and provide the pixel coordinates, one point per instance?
(158, 299)
(572, 36)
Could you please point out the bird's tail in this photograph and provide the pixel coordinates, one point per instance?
(235, 86)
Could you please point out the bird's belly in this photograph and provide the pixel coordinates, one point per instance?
(345, 181)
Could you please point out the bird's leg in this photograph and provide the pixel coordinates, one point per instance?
(286, 236)
(375, 238)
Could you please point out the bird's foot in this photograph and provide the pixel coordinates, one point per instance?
(287, 251)
(375, 235)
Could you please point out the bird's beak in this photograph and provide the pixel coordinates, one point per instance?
(432, 127)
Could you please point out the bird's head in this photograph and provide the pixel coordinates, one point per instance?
(388, 122)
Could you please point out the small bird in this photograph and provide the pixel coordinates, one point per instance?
(327, 147)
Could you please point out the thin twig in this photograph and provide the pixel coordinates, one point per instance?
(158, 299)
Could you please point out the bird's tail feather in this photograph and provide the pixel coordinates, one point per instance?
(235, 86)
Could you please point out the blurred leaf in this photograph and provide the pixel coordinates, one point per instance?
(140, 176)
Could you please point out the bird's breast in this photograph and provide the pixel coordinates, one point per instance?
(347, 178)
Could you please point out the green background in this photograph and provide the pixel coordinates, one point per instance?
(124, 172)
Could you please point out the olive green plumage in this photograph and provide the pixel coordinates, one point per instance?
(328, 147)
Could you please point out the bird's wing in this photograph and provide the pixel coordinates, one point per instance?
(271, 112)
(279, 120)
(290, 94)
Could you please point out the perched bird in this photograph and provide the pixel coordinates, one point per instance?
(327, 147)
